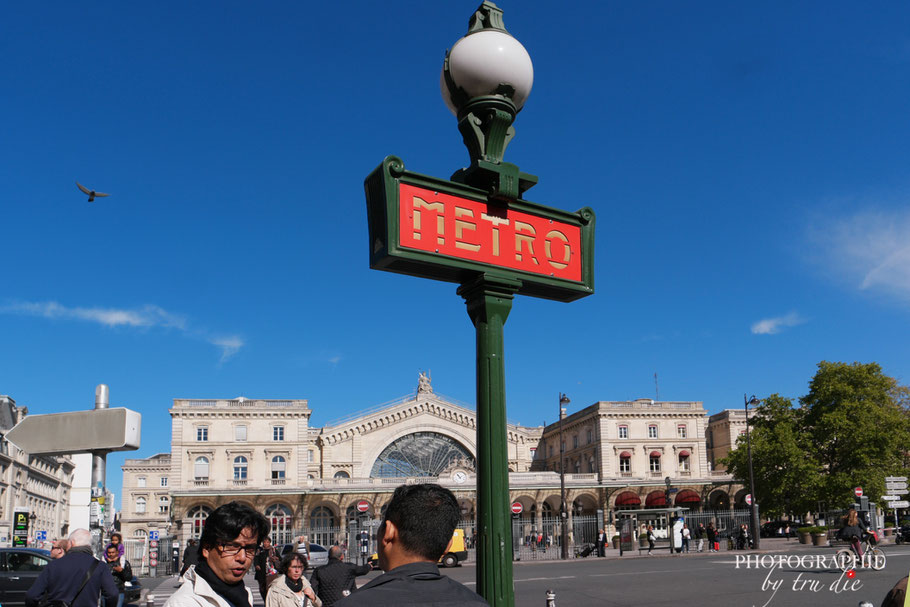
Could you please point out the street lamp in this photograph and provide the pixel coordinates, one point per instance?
(564, 532)
(486, 79)
(753, 507)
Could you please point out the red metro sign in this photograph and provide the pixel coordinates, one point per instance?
(434, 228)
(476, 231)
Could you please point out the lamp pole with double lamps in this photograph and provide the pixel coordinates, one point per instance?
(563, 512)
(753, 506)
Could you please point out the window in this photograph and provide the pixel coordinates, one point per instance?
(202, 433)
(655, 463)
(164, 481)
(198, 516)
(140, 533)
(240, 465)
(309, 455)
(277, 432)
(533, 452)
(684, 462)
(279, 516)
(652, 431)
(551, 450)
(575, 442)
(140, 482)
(240, 434)
(201, 468)
(590, 435)
(681, 431)
(625, 464)
(278, 467)
(578, 466)
(140, 505)
(164, 504)
(342, 474)
(322, 523)
(624, 432)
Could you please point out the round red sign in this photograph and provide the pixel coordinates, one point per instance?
(517, 508)
(749, 499)
(363, 506)
(858, 491)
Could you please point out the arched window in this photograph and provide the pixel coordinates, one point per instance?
(280, 518)
(140, 505)
(421, 454)
(140, 533)
(197, 518)
(323, 526)
(240, 464)
(201, 468)
(342, 474)
(278, 468)
(164, 504)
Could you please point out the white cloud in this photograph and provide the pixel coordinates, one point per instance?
(229, 346)
(147, 316)
(335, 360)
(870, 249)
(770, 326)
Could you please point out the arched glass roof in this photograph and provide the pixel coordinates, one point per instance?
(421, 454)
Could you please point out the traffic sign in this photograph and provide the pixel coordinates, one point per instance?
(153, 544)
(896, 485)
(895, 479)
(749, 499)
(901, 504)
(153, 535)
(898, 491)
(858, 491)
(115, 429)
(363, 506)
(153, 562)
(517, 507)
(890, 498)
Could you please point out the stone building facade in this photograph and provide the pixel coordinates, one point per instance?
(264, 453)
(38, 485)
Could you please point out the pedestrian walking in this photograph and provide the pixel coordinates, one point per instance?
(685, 537)
(77, 578)
(650, 539)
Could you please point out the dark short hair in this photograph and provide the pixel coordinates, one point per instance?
(287, 560)
(116, 534)
(228, 521)
(426, 516)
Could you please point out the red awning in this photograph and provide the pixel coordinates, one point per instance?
(628, 498)
(656, 454)
(655, 499)
(687, 496)
(684, 453)
(625, 454)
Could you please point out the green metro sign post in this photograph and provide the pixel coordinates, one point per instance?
(477, 231)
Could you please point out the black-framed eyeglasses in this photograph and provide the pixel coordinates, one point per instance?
(231, 549)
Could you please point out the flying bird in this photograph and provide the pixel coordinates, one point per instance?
(91, 193)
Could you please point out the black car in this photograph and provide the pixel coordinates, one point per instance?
(778, 528)
(19, 568)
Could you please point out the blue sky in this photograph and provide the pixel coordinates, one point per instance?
(747, 163)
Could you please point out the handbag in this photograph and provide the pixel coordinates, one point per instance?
(46, 602)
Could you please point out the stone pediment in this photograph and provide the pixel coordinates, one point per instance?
(427, 405)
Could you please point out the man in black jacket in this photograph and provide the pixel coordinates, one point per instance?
(121, 572)
(416, 531)
(333, 581)
(61, 578)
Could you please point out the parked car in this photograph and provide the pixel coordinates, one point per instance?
(19, 568)
(318, 555)
(773, 528)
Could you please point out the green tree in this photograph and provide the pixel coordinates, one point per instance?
(857, 427)
(787, 476)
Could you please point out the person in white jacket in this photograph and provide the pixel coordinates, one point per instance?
(230, 540)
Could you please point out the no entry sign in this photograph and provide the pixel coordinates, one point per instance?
(858, 491)
(749, 499)
(363, 506)
(516, 508)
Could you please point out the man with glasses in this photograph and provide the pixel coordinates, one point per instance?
(58, 548)
(230, 539)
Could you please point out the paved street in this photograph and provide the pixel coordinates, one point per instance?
(695, 579)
